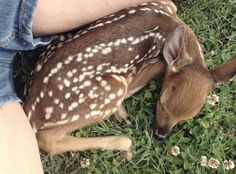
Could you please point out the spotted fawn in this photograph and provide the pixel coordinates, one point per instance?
(83, 77)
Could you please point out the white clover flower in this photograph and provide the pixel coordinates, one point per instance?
(212, 99)
(175, 150)
(228, 164)
(85, 163)
(203, 161)
(213, 163)
(212, 52)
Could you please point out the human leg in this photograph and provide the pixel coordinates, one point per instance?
(19, 150)
(55, 16)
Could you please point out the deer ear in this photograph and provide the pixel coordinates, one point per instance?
(174, 48)
(225, 71)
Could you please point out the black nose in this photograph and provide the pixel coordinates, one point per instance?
(161, 132)
(159, 136)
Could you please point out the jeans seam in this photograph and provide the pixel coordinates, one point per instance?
(7, 41)
(6, 64)
(22, 19)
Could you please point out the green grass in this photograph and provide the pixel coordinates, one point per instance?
(212, 133)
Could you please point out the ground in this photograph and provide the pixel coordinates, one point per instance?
(211, 134)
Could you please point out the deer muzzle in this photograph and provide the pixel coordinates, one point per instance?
(161, 132)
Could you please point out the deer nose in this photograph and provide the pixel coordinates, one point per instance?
(159, 136)
(161, 132)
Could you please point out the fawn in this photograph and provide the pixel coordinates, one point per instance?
(84, 76)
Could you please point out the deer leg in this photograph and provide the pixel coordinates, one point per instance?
(121, 114)
(145, 75)
(54, 142)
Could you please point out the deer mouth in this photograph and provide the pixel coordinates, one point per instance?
(161, 132)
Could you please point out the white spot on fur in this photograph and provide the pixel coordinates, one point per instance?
(107, 100)
(61, 38)
(87, 83)
(67, 96)
(29, 115)
(33, 107)
(41, 94)
(93, 106)
(130, 38)
(81, 100)
(156, 11)
(79, 59)
(119, 103)
(120, 92)
(131, 11)
(75, 80)
(101, 106)
(56, 101)
(94, 50)
(63, 116)
(39, 67)
(75, 117)
(75, 104)
(37, 99)
(123, 41)
(136, 41)
(74, 71)
(69, 74)
(60, 86)
(117, 43)
(145, 9)
(107, 112)
(61, 105)
(90, 67)
(88, 49)
(130, 49)
(87, 116)
(48, 111)
(108, 22)
(59, 65)
(99, 68)
(51, 124)
(45, 80)
(70, 108)
(114, 110)
(108, 88)
(66, 82)
(112, 96)
(169, 9)
(103, 83)
(94, 113)
(155, 4)
(106, 51)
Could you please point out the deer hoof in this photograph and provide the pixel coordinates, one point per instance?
(127, 121)
(127, 155)
(121, 114)
(118, 118)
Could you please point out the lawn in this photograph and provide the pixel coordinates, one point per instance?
(212, 133)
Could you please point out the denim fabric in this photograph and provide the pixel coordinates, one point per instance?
(15, 35)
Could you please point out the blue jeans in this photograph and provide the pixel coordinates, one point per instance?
(15, 35)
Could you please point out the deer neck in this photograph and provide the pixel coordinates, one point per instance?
(192, 45)
(162, 29)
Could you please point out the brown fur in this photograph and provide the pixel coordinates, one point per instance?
(186, 86)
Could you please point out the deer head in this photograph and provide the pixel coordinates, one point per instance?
(186, 85)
